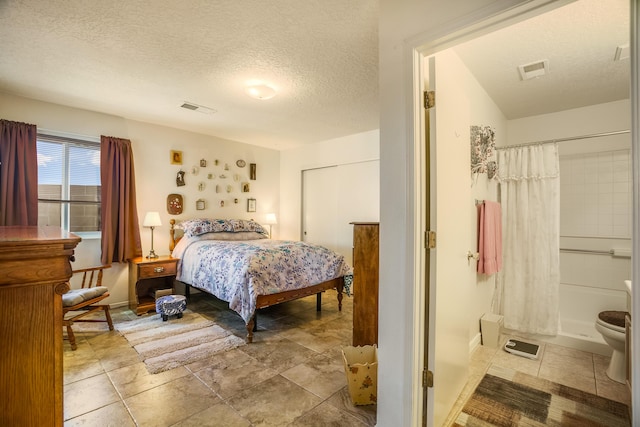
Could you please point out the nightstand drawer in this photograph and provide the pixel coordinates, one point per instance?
(159, 269)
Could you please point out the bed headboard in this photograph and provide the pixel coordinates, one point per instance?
(172, 235)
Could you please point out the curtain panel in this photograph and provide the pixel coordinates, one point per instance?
(18, 174)
(120, 228)
(530, 196)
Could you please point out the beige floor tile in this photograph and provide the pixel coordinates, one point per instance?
(274, 402)
(279, 354)
(219, 414)
(233, 372)
(133, 379)
(326, 415)
(80, 364)
(320, 375)
(114, 415)
(88, 395)
(171, 402)
(366, 414)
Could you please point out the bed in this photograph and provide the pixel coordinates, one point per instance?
(236, 262)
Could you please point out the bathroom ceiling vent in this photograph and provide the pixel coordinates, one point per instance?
(199, 108)
(534, 69)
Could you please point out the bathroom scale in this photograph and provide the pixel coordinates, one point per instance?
(521, 348)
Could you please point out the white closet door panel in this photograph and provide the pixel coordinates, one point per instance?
(320, 206)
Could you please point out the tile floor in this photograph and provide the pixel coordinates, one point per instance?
(574, 368)
(291, 375)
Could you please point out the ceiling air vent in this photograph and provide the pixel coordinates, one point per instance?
(534, 69)
(199, 108)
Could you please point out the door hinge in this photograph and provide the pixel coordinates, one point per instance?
(430, 239)
(429, 99)
(427, 378)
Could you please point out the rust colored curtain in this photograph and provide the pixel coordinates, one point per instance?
(18, 174)
(120, 229)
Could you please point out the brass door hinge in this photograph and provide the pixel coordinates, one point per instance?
(429, 99)
(427, 378)
(430, 239)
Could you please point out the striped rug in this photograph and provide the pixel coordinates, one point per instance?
(509, 398)
(167, 345)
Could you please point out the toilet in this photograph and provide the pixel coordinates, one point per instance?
(611, 325)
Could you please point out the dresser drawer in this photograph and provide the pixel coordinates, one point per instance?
(159, 269)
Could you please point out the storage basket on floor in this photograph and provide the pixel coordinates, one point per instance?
(361, 367)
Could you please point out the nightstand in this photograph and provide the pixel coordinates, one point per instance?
(146, 277)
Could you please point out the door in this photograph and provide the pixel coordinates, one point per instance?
(320, 206)
(334, 197)
(450, 273)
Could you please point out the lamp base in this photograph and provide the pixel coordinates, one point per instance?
(152, 255)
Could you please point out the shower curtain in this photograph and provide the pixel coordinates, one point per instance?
(530, 279)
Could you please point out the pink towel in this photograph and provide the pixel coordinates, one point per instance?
(489, 238)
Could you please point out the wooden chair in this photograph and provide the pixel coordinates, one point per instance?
(85, 300)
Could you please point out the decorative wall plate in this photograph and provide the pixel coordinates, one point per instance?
(241, 163)
(174, 204)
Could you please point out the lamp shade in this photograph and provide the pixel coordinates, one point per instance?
(152, 219)
(270, 219)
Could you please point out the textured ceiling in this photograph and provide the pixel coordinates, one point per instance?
(126, 58)
(578, 39)
(142, 60)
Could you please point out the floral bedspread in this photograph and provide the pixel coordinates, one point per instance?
(239, 271)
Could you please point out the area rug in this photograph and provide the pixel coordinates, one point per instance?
(167, 345)
(506, 397)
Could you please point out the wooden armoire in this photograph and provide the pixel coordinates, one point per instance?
(34, 272)
(365, 283)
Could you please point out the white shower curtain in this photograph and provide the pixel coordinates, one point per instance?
(530, 197)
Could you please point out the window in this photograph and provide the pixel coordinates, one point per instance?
(69, 183)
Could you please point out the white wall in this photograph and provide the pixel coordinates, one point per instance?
(360, 147)
(483, 112)
(156, 177)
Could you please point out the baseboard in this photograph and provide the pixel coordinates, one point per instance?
(475, 342)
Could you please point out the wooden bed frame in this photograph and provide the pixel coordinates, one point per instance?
(264, 301)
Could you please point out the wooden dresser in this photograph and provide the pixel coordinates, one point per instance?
(34, 272)
(365, 283)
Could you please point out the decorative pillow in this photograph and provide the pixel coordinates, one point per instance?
(198, 226)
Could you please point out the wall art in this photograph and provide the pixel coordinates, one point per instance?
(176, 157)
(174, 204)
(200, 204)
(251, 205)
(180, 178)
(252, 171)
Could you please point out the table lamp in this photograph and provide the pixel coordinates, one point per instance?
(152, 220)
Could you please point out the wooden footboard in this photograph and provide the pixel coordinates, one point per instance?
(273, 299)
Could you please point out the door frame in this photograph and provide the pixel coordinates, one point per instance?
(418, 48)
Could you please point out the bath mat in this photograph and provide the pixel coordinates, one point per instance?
(167, 345)
(508, 398)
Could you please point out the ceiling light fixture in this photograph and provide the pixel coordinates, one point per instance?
(260, 91)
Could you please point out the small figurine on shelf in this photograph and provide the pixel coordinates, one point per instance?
(180, 178)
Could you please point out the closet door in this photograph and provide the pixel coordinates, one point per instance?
(320, 206)
(333, 198)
